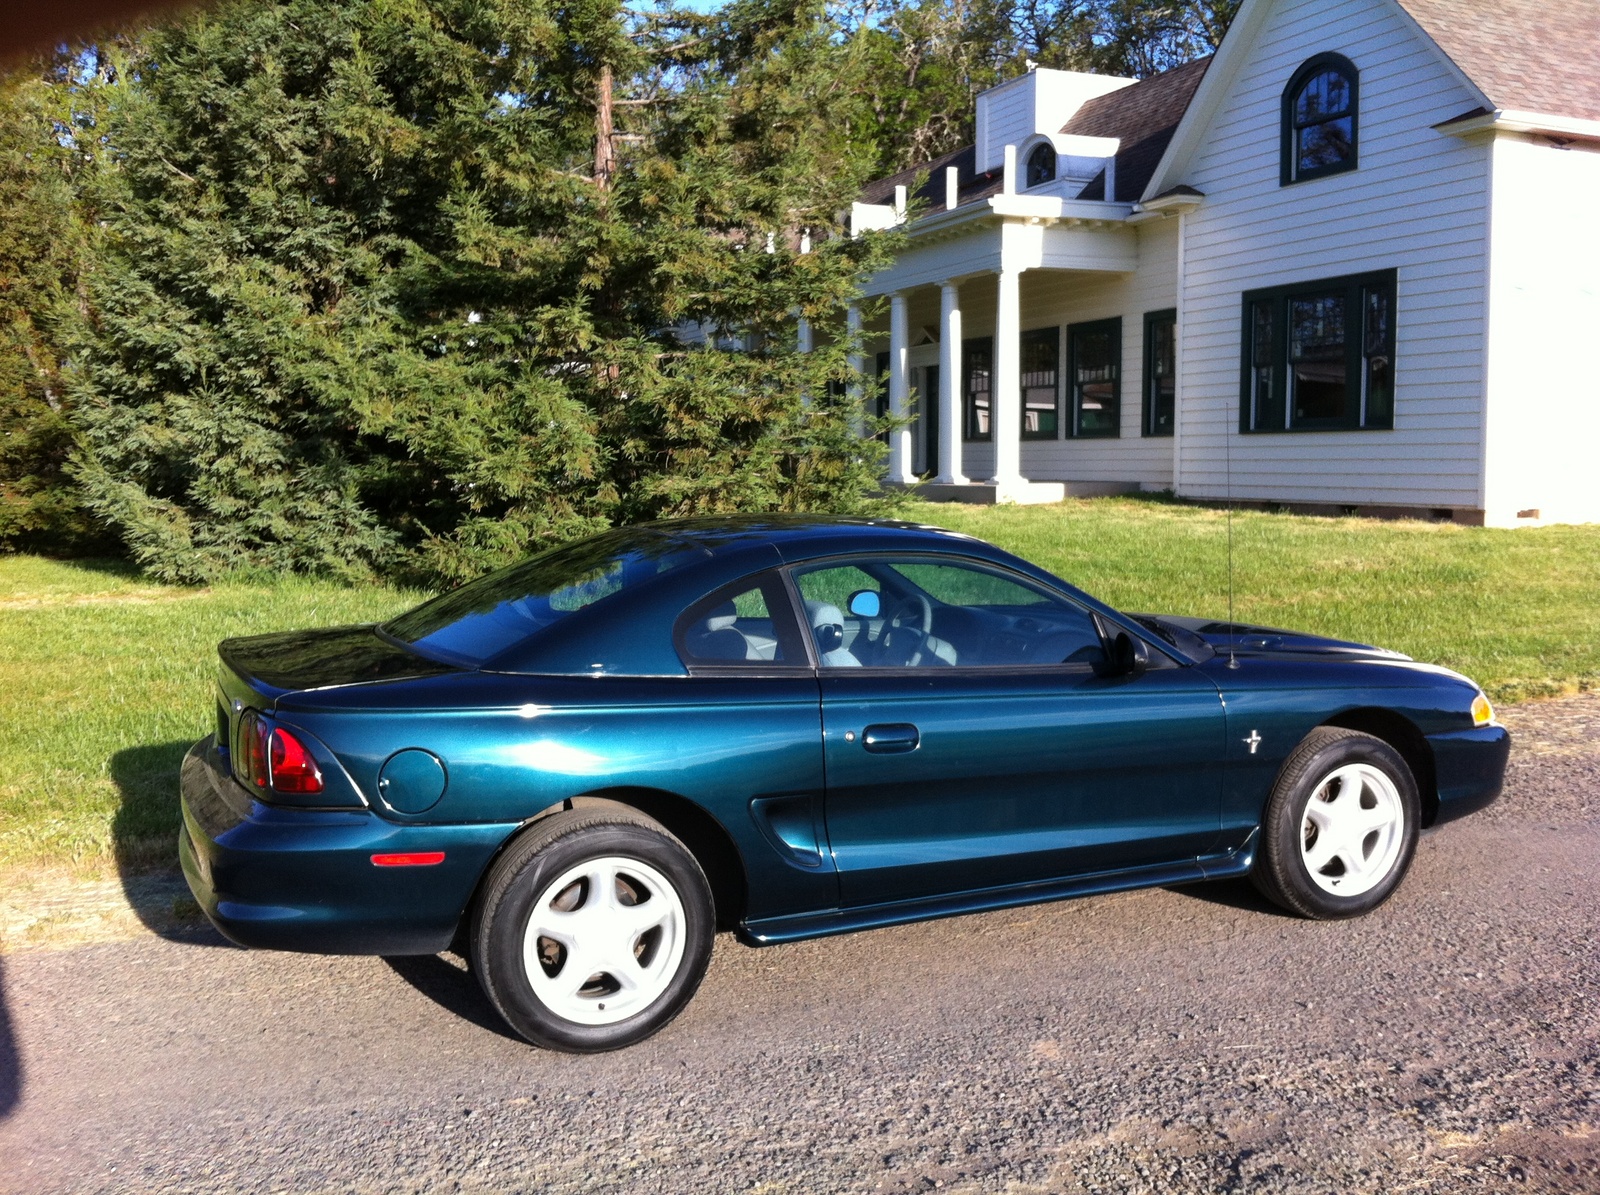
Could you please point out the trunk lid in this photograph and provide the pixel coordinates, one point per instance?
(256, 670)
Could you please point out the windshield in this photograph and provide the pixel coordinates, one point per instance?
(484, 618)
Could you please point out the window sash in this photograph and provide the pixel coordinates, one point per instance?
(1160, 372)
(1319, 128)
(1094, 377)
(977, 383)
(1041, 384)
(1299, 341)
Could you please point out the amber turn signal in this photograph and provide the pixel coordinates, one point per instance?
(1482, 711)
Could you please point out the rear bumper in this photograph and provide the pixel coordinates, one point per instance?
(1470, 767)
(303, 879)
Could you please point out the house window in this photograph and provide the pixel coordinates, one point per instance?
(977, 363)
(880, 394)
(1319, 356)
(1041, 165)
(1041, 374)
(1320, 118)
(1095, 372)
(1160, 371)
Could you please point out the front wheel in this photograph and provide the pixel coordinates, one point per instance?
(1340, 828)
(594, 930)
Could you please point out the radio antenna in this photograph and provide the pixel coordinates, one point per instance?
(1233, 627)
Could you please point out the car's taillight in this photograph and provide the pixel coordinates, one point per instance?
(293, 769)
(253, 749)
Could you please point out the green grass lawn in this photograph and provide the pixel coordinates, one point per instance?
(105, 678)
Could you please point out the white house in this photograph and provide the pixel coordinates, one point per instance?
(1351, 262)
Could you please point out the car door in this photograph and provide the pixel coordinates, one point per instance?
(974, 736)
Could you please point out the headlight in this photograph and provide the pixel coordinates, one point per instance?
(1482, 711)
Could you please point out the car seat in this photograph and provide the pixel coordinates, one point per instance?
(827, 628)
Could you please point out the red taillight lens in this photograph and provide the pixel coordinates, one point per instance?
(409, 859)
(253, 749)
(293, 769)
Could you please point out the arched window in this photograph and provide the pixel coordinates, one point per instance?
(1320, 119)
(1041, 165)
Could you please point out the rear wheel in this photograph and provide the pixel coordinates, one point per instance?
(1340, 827)
(594, 930)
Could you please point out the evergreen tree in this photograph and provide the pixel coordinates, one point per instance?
(404, 284)
(919, 64)
(47, 147)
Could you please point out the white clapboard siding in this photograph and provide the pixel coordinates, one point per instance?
(1544, 388)
(1418, 203)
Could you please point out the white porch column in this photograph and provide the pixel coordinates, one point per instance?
(899, 390)
(1005, 392)
(949, 458)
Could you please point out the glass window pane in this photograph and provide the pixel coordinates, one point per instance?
(1377, 350)
(1041, 166)
(1041, 353)
(1316, 357)
(735, 629)
(486, 617)
(1096, 366)
(1266, 404)
(938, 614)
(1324, 94)
(977, 362)
(1325, 144)
(1162, 380)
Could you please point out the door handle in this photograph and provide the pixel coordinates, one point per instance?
(890, 738)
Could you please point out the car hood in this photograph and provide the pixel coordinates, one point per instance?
(1272, 641)
(321, 659)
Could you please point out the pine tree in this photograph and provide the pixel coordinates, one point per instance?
(392, 285)
(47, 113)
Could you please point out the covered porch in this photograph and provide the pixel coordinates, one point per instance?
(962, 282)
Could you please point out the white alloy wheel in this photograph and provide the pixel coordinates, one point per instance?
(1353, 831)
(604, 940)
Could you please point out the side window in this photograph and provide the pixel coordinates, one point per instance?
(737, 626)
(915, 612)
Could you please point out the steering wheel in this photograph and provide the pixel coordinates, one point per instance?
(904, 642)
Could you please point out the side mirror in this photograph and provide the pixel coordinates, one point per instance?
(1129, 656)
(864, 603)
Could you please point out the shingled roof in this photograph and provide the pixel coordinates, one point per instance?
(1143, 116)
(1526, 55)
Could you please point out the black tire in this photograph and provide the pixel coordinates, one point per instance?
(1281, 872)
(545, 852)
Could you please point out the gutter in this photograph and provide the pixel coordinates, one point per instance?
(1508, 120)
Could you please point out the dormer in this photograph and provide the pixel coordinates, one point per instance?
(1063, 164)
(1039, 102)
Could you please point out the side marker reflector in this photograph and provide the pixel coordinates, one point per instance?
(411, 859)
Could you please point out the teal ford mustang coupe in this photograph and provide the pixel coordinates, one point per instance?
(575, 770)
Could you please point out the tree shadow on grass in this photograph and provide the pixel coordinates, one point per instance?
(10, 1056)
(452, 988)
(144, 836)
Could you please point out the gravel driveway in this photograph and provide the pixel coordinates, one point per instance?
(1172, 1040)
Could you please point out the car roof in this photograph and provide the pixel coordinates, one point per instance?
(802, 536)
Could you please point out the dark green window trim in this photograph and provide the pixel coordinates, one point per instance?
(1097, 383)
(1340, 351)
(1039, 359)
(1160, 412)
(1293, 123)
(977, 389)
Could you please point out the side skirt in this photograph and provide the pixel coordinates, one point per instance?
(770, 931)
